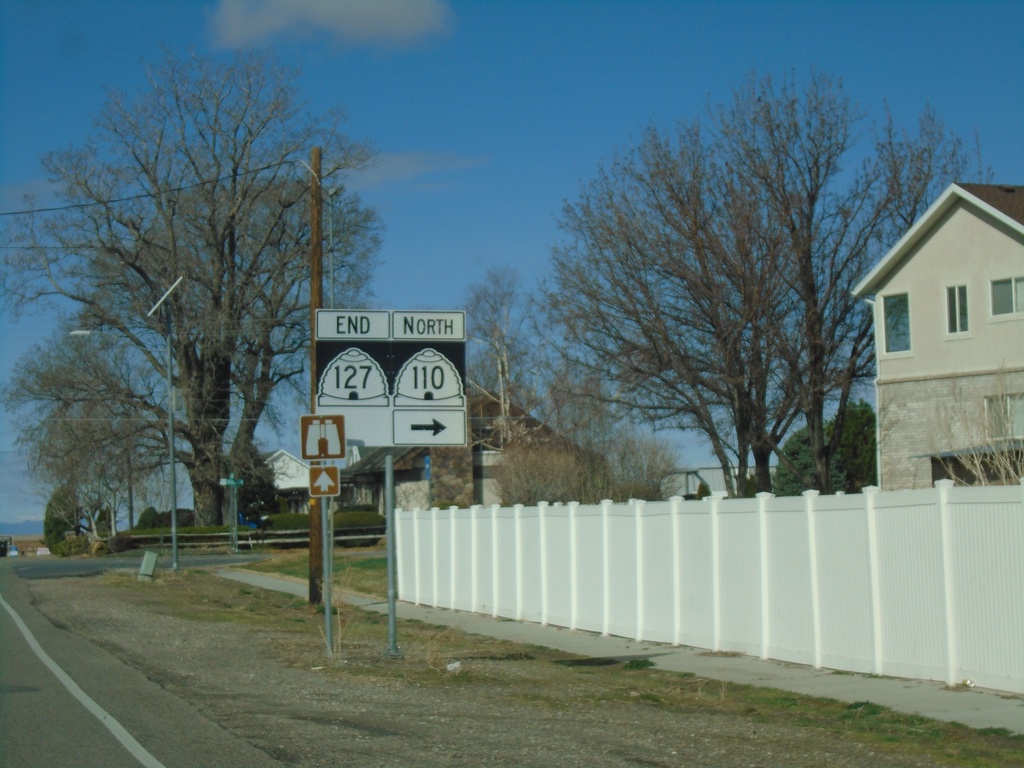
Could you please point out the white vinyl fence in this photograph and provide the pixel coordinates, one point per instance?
(922, 584)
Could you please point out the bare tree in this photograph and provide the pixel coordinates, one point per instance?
(83, 421)
(624, 464)
(201, 176)
(501, 354)
(796, 147)
(707, 277)
(667, 290)
(549, 469)
(980, 439)
(642, 466)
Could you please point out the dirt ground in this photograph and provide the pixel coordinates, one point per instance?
(498, 706)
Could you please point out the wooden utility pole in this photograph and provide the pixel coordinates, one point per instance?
(316, 288)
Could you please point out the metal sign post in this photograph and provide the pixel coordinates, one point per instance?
(233, 483)
(327, 522)
(323, 437)
(389, 508)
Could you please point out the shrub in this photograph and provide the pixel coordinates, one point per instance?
(166, 530)
(289, 521)
(98, 548)
(120, 543)
(443, 504)
(73, 546)
(358, 508)
(150, 518)
(352, 519)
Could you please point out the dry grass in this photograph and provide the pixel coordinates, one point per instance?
(485, 669)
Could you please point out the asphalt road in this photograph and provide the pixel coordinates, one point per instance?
(67, 702)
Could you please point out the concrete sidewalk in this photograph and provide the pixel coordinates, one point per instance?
(973, 707)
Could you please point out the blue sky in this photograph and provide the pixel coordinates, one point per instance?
(487, 116)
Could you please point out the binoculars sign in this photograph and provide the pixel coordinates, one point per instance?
(323, 436)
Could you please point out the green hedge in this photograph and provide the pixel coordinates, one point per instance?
(358, 518)
(289, 521)
(363, 516)
(188, 529)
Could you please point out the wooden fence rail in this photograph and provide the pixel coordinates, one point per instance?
(248, 537)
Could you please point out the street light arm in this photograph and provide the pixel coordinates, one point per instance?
(164, 297)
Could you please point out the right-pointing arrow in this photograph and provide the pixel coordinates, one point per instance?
(436, 428)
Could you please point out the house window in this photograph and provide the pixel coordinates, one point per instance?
(896, 311)
(956, 309)
(1008, 296)
(1004, 415)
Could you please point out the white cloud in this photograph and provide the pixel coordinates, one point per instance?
(392, 23)
(394, 167)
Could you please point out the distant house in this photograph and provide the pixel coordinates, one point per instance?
(291, 479)
(439, 476)
(424, 477)
(687, 482)
(949, 333)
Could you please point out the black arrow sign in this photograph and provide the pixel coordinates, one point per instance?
(437, 427)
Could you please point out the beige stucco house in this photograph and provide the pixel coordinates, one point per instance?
(949, 331)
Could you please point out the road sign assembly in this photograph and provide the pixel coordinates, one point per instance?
(396, 377)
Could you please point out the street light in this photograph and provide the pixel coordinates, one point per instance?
(170, 422)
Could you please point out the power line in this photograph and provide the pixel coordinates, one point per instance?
(112, 201)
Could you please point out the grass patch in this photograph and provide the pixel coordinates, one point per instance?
(445, 657)
(362, 572)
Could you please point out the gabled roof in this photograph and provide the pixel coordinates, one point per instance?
(1002, 197)
(1002, 202)
(289, 472)
(372, 462)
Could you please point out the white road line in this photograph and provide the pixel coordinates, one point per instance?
(127, 740)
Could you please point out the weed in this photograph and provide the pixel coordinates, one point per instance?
(866, 708)
(634, 664)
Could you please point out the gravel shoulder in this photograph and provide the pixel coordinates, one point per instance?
(254, 664)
